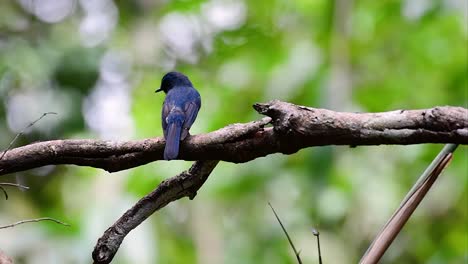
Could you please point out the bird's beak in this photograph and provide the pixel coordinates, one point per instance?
(158, 90)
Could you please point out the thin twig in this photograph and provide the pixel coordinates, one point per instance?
(11, 184)
(287, 235)
(14, 185)
(396, 222)
(22, 132)
(5, 192)
(9, 147)
(317, 234)
(34, 220)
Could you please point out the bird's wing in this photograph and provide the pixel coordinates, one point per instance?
(191, 110)
(165, 112)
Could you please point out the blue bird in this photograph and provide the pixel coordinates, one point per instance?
(179, 110)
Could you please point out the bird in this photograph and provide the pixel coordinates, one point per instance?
(179, 111)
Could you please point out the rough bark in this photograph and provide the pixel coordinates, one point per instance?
(294, 127)
(185, 184)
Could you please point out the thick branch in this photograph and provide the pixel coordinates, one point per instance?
(294, 127)
(185, 184)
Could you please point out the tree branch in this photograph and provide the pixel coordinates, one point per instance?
(185, 184)
(11, 184)
(22, 132)
(34, 221)
(294, 127)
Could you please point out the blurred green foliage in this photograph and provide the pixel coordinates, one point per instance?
(99, 64)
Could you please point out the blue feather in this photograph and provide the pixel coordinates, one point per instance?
(179, 111)
(172, 140)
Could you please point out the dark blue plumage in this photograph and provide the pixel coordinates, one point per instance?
(179, 111)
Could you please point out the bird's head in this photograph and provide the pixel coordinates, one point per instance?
(173, 79)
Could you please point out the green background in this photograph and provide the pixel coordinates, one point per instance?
(98, 63)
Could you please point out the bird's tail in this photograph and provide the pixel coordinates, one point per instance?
(174, 129)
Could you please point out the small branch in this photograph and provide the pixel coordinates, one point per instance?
(317, 234)
(4, 192)
(408, 206)
(9, 147)
(185, 184)
(14, 185)
(22, 132)
(294, 128)
(287, 235)
(11, 184)
(34, 220)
